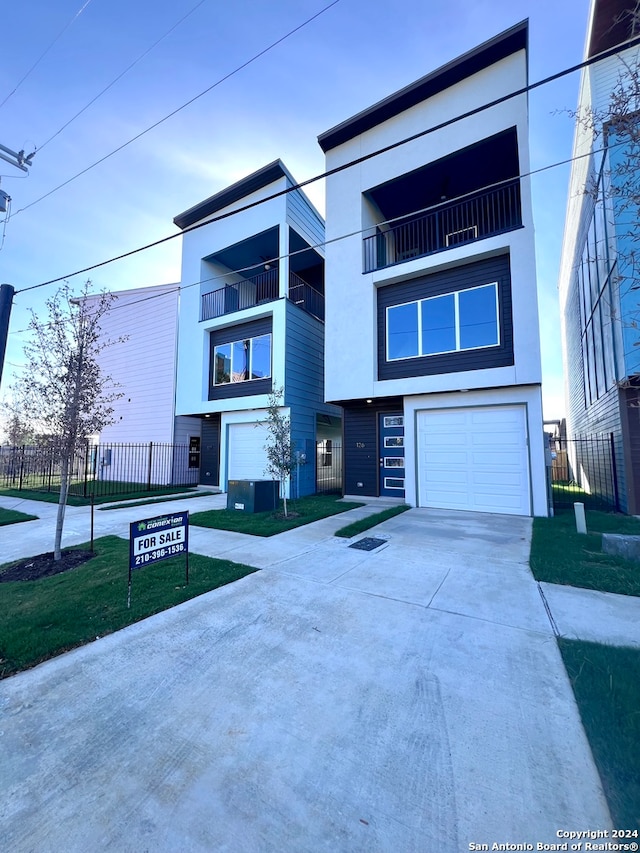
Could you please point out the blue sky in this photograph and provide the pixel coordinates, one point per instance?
(351, 56)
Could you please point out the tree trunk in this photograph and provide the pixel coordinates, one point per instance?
(62, 505)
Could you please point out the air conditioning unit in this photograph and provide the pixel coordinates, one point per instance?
(463, 235)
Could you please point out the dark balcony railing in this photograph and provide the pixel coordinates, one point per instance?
(307, 297)
(262, 287)
(475, 218)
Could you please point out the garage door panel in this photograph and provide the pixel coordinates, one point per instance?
(474, 459)
(446, 479)
(507, 504)
(486, 478)
(246, 453)
(498, 459)
(434, 441)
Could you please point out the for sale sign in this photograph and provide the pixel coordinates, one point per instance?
(154, 539)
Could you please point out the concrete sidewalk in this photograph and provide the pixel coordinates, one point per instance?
(576, 613)
(408, 699)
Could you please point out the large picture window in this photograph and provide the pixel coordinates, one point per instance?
(463, 320)
(240, 361)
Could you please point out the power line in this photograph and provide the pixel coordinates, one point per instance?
(180, 108)
(42, 55)
(431, 208)
(350, 164)
(120, 76)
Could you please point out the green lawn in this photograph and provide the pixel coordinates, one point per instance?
(12, 516)
(569, 493)
(117, 491)
(302, 511)
(560, 555)
(370, 521)
(40, 619)
(606, 683)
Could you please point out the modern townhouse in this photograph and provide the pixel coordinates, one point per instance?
(251, 322)
(431, 336)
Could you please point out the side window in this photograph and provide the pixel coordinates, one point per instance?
(402, 331)
(478, 317)
(222, 364)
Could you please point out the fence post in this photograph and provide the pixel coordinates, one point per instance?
(50, 477)
(614, 472)
(86, 464)
(149, 468)
(21, 468)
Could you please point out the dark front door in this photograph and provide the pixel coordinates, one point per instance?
(391, 451)
(210, 451)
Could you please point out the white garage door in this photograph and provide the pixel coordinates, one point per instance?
(247, 456)
(474, 459)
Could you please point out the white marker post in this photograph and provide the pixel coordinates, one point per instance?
(581, 523)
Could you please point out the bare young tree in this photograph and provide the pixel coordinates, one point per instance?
(63, 392)
(279, 447)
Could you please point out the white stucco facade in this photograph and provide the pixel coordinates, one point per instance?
(356, 373)
(351, 322)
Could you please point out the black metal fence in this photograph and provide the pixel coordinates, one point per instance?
(307, 297)
(100, 469)
(262, 287)
(328, 467)
(584, 469)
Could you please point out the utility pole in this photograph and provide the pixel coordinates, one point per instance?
(6, 300)
(17, 158)
(20, 161)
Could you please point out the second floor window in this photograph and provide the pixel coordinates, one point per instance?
(241, 361)
(463, 320)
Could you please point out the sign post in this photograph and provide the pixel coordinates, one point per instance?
(155, 539)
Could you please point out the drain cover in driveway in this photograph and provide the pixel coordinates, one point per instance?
(368, 544)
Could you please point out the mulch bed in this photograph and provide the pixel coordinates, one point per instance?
(42, 566)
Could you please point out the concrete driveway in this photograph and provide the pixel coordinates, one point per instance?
(408, 699)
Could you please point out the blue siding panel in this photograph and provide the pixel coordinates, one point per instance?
(304, 218)
(602, 417)
(304, 388)
(626, 215)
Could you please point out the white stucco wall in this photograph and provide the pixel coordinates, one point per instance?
(193, 339)
(350, 331)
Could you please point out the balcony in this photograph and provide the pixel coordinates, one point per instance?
(257, 290)
(260, 288)
(307, 297)
(475, 218)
